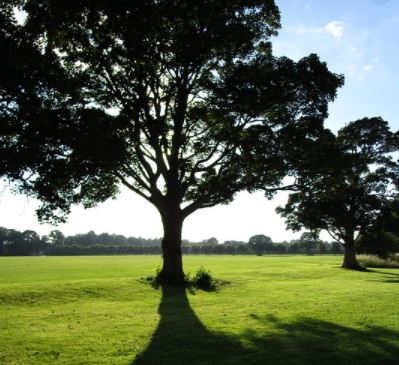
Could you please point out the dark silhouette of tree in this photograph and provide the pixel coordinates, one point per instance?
(345, 189)
(383, 238)
(260, 243)
(40, 104)
(183, 102)
(18, 82)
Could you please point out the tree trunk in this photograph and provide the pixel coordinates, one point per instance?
(350, 261)
(172, 269)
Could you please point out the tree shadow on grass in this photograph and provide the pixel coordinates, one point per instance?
(182, 339)
(310, 341)
(388, 277)
(384, 272)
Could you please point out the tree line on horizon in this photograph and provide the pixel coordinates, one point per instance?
(30, 243)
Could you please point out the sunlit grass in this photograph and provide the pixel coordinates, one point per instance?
(276, 310)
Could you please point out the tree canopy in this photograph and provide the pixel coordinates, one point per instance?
(260, 243)
(348, 187)
(182, 102)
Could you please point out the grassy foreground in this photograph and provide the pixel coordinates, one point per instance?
(277, 310)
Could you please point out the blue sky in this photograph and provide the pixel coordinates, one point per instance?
(359, 39)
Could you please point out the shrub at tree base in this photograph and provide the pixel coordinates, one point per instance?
(202, 279)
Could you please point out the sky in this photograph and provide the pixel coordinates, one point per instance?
(359, 39)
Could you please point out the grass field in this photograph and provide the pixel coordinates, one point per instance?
(277, 310)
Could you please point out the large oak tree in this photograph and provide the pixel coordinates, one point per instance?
(183, 102)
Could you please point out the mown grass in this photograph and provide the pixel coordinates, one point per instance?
(276, 310)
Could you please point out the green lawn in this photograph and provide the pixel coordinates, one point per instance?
(277, 310)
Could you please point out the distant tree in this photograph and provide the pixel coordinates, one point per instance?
(233, 243)
(280, 248)
(55, 237)
(32, 243)
(120, 239)
(182, 102)
(89, 238)
(16, 243)
(293, 247)
(11, 241)
(211, 241)
(309, 241)
(346, 187)
(321, 248)
(3, 235)
(260, 243)
(104, 238)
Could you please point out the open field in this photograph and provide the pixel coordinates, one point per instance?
(277, 310)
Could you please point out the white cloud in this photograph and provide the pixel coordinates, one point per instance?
(335, 28)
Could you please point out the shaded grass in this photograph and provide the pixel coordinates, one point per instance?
(375, 261)
(277, 310)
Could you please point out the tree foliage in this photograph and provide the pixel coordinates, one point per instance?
(183, 102)
(260, 243)
(383, 237)
(349, 185)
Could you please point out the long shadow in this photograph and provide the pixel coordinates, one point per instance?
(310, 341)
(181, 339)
(388, 277)
(384, 272)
